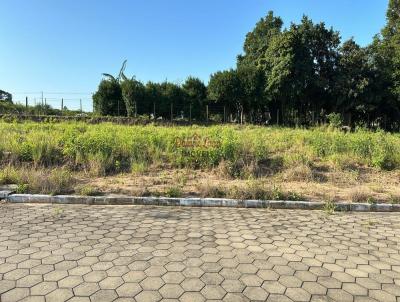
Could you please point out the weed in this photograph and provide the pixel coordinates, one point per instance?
(394, 199)
(88, 191)
(360, 195)
(329, 207)
(22, 188)
(173, 192)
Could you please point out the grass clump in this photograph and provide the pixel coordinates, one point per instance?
(173, 192)
(88, 190)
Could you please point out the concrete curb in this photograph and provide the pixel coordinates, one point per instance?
(196, 202)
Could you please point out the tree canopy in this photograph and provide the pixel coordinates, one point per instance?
(293, 76)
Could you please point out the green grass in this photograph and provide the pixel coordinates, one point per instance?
(247, 151)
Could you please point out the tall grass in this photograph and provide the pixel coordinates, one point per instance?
(107, 148)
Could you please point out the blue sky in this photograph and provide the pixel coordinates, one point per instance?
(64, 45)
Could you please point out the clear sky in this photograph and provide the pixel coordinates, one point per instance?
(64, 45)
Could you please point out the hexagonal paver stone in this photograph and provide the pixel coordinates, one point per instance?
(79, 299)
(298, 294)
(171, 291)
(15, 294)
(173, 277)
(55, 276)
(212, 278)
(59, 295)
(134, 276)
(191, 297)
(79, 271)
(213, 292)
(86, 289)
(273, 287)
(96, 276)
(290, 281)
(152, 283)
(255, 293)
(43, 288)
(193, 272)
(70, 281)
(251, 280)
(16, 274)
(34, 299)
(380, 295)
(268, 275)
(104, 295)
(247, 268)
(340, 295)
(117, 271)
(315, 288)
(155, 271)
(128, 290)
(6, 285)
(233, 286)
(192, 284)
(111, 283)
(175, 267)
(148, 296)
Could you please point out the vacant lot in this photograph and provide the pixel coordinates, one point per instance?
(231, 161)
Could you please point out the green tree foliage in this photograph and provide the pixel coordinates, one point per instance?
(196, 96)
(5, 96)
(258, 40)
(295, 75)
(224, 88)
(134, 96)
(108, 98)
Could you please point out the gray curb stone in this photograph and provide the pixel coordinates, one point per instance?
(195, 202)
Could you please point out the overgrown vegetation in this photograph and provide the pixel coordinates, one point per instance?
(243, 151)
(30, 150)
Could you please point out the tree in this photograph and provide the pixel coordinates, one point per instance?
(258, 40)
(353, 82)
(196, 96)
(224, 89)
(252, 85)
(300, 70)
(173, 99)
(134, 95)
(153, 92)
(5, 96)
(391, 43)
(108, 98)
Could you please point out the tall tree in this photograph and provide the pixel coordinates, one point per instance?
(196, 96)
(353, 83)
(108, 98)
(134, 94)
(258, 40)
(224, 89)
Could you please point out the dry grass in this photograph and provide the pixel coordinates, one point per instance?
(39, 181)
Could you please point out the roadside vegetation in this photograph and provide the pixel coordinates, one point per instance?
(249, 162)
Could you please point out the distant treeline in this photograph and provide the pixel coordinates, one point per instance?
(292, 76)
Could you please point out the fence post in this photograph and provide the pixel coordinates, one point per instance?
(224, 114)
(26, 102)
(154, 110)
(80, 105)
(135, 109)
(62, 105)
(172, 115)
(207, 113)
(277, 117)
(190, 112)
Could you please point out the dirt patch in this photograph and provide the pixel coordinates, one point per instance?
(365, 185)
